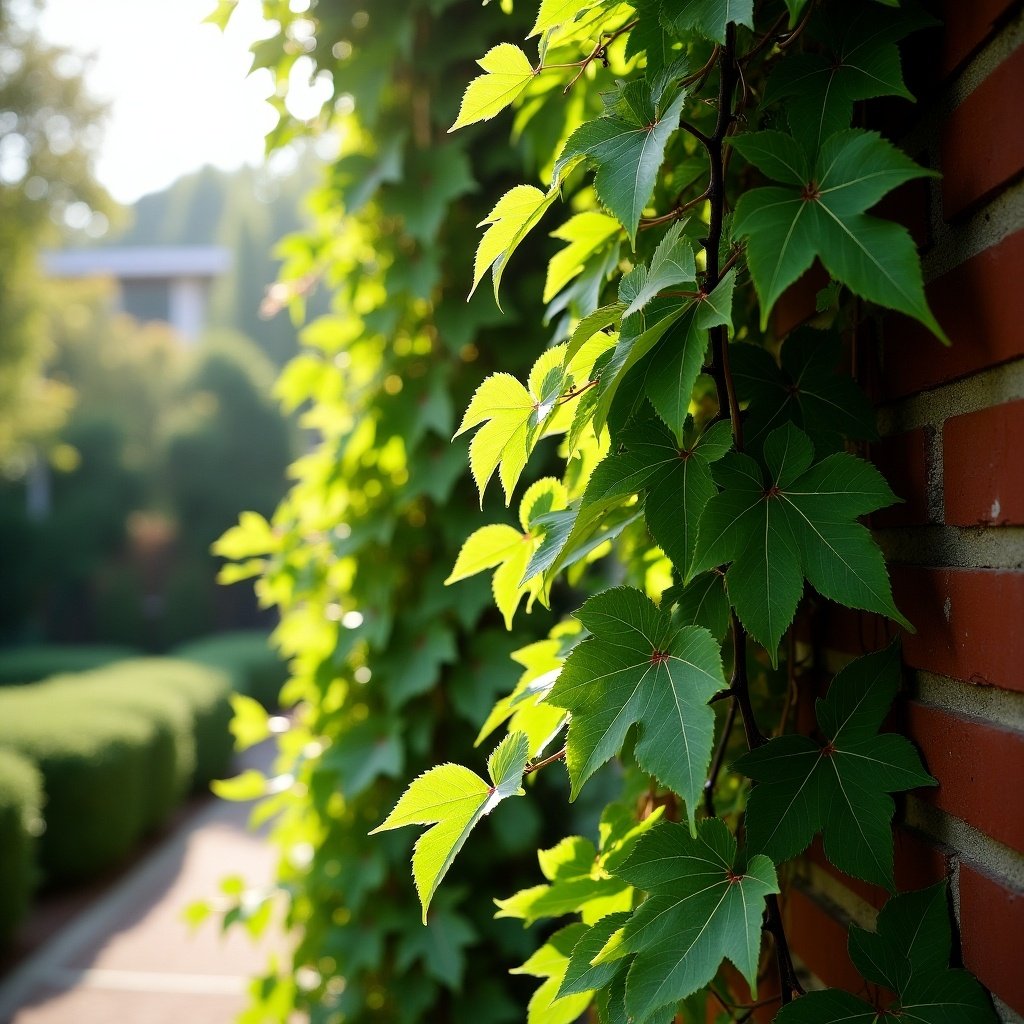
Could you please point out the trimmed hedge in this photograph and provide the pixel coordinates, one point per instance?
(21, 796)
(172, 757)
(96, 763)
(117, 749)
(41, 661)
(246, 655)
(208, 693)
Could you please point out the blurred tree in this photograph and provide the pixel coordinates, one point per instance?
(228, 445)
(49, 130)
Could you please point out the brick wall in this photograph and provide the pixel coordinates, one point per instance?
(952, 426)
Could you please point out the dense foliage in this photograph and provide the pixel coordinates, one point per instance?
(703, 157)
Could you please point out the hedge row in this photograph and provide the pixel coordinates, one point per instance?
(117, 749)
(21, 793)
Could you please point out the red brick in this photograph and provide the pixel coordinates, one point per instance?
(903, 460)
(917, 862)
(992, 935)
(967, 26)
(982, 144)
(821, 942)
(983, 478)
(969, 623)
(978, 767)
(981, 306)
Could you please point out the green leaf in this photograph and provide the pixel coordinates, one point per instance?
(439, 947)
(856, 59)
(508, 73)
(515, 214)
(786, 228)
(801, 524)
(582, 975)
(590, 325)
(221, 14)
(249, 785)
(250, 722)
(635, 341)
(672, 263)
(553, 13)
(576, 881)
(681, 487)
(908, 953)
(550, 962)
(808, 389)
(701, 602)
(705, 905)
(626, 145)
(675, 365)
(586, 233)
(708, 17)
(715, 310)
(638, 668)
(514, 419)
(840, 787)
(365, 751)
(828, 1007)
(452, 799)
(511, 550)
(525, 707)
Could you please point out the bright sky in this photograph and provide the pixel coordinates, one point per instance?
(178, 89)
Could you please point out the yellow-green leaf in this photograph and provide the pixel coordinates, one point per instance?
(508, 72)
(452, 799)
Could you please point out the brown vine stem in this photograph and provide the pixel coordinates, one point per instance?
(599, 52)
(537, 765)
(722, 374)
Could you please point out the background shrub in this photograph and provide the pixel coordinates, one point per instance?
(172, 757)
(96, 763)
(255, 669)
(40, 661)
(21, 794)
(208, 693)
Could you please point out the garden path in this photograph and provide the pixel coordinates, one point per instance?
(129, 958)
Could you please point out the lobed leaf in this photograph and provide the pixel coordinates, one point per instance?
(452, 800)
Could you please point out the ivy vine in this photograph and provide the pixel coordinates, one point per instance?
(703, 488)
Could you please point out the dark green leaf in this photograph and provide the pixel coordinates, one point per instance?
(639, 669)
(626, 145)
(841, 787)
(824, 216)
(705, 905)
(808, 390)
(800, 524)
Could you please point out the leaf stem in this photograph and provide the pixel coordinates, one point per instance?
(599, 52)
(537, 765)
(719, 759)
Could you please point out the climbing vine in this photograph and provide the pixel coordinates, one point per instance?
(686, 480)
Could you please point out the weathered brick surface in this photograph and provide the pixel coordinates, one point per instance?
(984, 467)
(980, 305)
(968, 26)
(973, 762)
(992, 934)
(982, 144)
(903, 461)
(970, 623)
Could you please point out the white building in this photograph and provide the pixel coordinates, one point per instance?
(167, 282)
